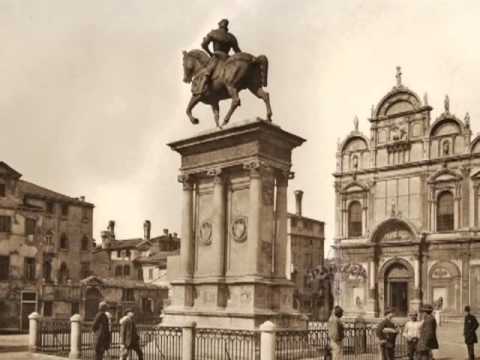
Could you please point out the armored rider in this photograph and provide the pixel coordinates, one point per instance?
(223, 41)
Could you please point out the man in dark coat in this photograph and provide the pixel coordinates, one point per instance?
(129, 339)
(103, 337)
(428, 334)
(469, 332)
(386, 333)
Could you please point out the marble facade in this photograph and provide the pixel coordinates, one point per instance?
(407, 200)
(231, 272)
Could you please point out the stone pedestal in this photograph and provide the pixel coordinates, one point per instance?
(234, 232)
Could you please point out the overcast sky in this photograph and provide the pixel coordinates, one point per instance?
(91, 91)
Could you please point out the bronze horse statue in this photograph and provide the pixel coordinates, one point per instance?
(238, 72)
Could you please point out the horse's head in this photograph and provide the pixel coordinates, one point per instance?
(193, 62)
(188, 67)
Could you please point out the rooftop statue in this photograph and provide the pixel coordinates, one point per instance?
(218, 75)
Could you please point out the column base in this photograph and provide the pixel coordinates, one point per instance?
(74, 355)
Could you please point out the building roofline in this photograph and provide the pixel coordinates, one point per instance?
(292, 215)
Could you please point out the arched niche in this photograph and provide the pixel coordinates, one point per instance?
(444, 284)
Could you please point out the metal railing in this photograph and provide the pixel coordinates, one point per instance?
(360, 343)
(166, 343)
(54, 336)
(156, 343)
(224, 344)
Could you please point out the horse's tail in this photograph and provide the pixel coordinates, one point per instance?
(262, 62)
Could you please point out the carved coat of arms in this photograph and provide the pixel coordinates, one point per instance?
(239, 229)
(205, 233)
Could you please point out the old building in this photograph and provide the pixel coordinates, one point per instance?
(407, 209)
(140, 258)
(131, 272)
(45, 241)
(305, 255)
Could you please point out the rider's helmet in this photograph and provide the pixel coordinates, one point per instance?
(223, 23)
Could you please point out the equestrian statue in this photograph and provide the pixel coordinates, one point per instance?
(218, 76)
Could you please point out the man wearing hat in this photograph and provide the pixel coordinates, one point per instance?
(386, 333)
(223, 41)
(102, 337)
(470, 327)
(129, 339)
(428, 334)
(336, 333)
(411, 332)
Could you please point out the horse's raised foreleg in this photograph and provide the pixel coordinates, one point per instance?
(265, 96)
(234, 104)
(191, 104)
(216, 113)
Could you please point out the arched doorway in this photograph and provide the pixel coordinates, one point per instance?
(397, 284)
(92, 298)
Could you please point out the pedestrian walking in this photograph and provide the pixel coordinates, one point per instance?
(470, 327)
(428, 334)
(103, 335)
(386, 333)
(129, 339)
(336, 333)
(411, 332)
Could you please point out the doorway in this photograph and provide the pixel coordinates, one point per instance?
(399, 297)
(28, 306)
(397, 283)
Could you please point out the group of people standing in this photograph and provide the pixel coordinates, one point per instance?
(102, 329)
(421, 336)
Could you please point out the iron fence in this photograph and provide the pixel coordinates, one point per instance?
(156, 343)
(360, 343)
(224, 344)
(54, 336)
(165, 343)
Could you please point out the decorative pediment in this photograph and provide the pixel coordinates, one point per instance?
(356, 141)
(444, 175)
(399, 100)
(446, 124)
(354, 186)
(92, 281)
(392, 230)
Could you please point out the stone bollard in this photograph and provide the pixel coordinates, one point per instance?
(267, 341)
(188, 340)
(75, 336)
(33, 331)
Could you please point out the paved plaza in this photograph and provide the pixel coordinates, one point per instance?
(14, 347)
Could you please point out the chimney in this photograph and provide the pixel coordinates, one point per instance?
(82, 198)
(165, 232)
(147, 226)
(106, 239)
(298, 202)
(175, 235)
(111, 228)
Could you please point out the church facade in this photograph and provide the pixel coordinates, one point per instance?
(407, 210)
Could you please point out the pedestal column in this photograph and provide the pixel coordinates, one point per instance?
(187, 248)
(218, 220)
(254, 217)
(281, 231)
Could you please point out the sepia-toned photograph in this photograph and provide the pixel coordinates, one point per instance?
(239, 180)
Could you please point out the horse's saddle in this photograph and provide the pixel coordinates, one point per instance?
(199, 83)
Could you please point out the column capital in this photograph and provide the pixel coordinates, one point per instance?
(282, 177)
(256, 167)
(186, 180)
(217, 174)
